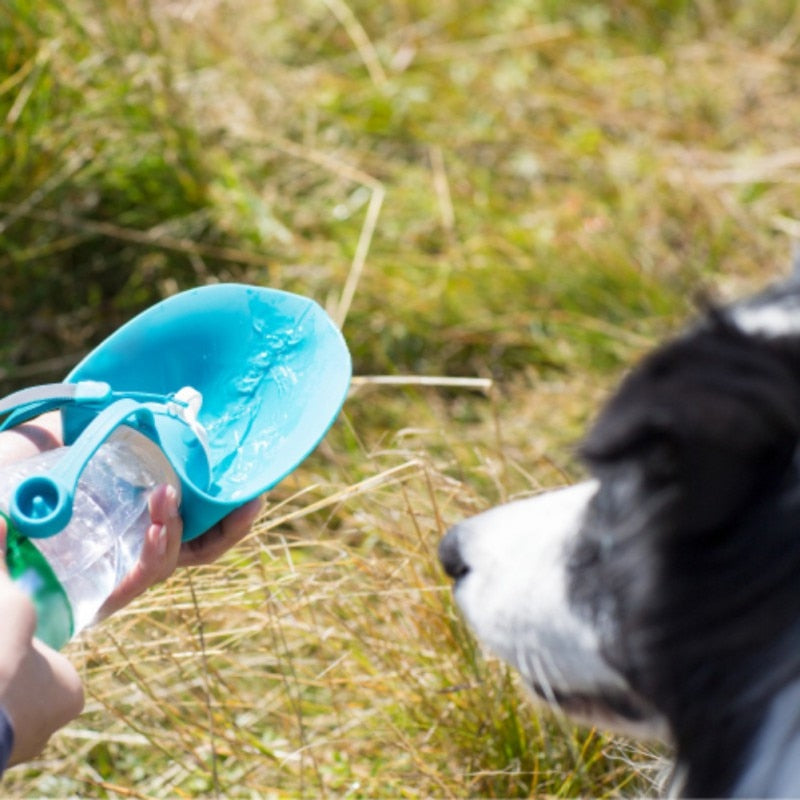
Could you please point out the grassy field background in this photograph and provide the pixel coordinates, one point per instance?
(525, 194)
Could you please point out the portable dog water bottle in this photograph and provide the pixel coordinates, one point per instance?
(234, 384)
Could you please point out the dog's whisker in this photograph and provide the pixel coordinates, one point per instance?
(539, 679)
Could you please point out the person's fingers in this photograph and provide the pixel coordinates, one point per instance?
(210, 545)
(164, 507)
(159, 555)
(163, 541)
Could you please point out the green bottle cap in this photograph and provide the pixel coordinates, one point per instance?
(30, 570)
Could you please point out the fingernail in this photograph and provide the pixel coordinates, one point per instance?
(172, 498)
(161, 541)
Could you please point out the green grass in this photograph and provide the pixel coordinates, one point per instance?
(532, 192)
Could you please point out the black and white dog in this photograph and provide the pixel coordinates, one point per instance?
(662, 597)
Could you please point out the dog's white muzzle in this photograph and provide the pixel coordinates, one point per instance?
(510, 570)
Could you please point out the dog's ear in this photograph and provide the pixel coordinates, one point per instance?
(715, 415)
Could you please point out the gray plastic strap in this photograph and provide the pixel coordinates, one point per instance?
(28, 403)
(59, 392)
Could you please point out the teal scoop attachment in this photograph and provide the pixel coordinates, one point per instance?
(236, 384)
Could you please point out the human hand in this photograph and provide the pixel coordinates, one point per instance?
(220, 538)
(163, 551)
(39, 688)
(159, 556)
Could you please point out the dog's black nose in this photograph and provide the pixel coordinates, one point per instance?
(450, 555)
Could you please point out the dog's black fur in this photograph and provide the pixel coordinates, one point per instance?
(707, 603)
(687, 560)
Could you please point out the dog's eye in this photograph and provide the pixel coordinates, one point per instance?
(662, 461)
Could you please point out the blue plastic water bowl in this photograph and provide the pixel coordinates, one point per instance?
(271, 367)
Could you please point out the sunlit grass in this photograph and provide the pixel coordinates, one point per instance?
(324, 657)
(527, 193)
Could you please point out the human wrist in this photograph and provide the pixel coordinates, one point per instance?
(6, 738)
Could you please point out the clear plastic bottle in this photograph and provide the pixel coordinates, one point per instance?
(70, 575)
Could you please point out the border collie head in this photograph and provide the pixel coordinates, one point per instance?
(662, 597)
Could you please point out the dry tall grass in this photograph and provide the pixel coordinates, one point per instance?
(525, 193)
(324, 657)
